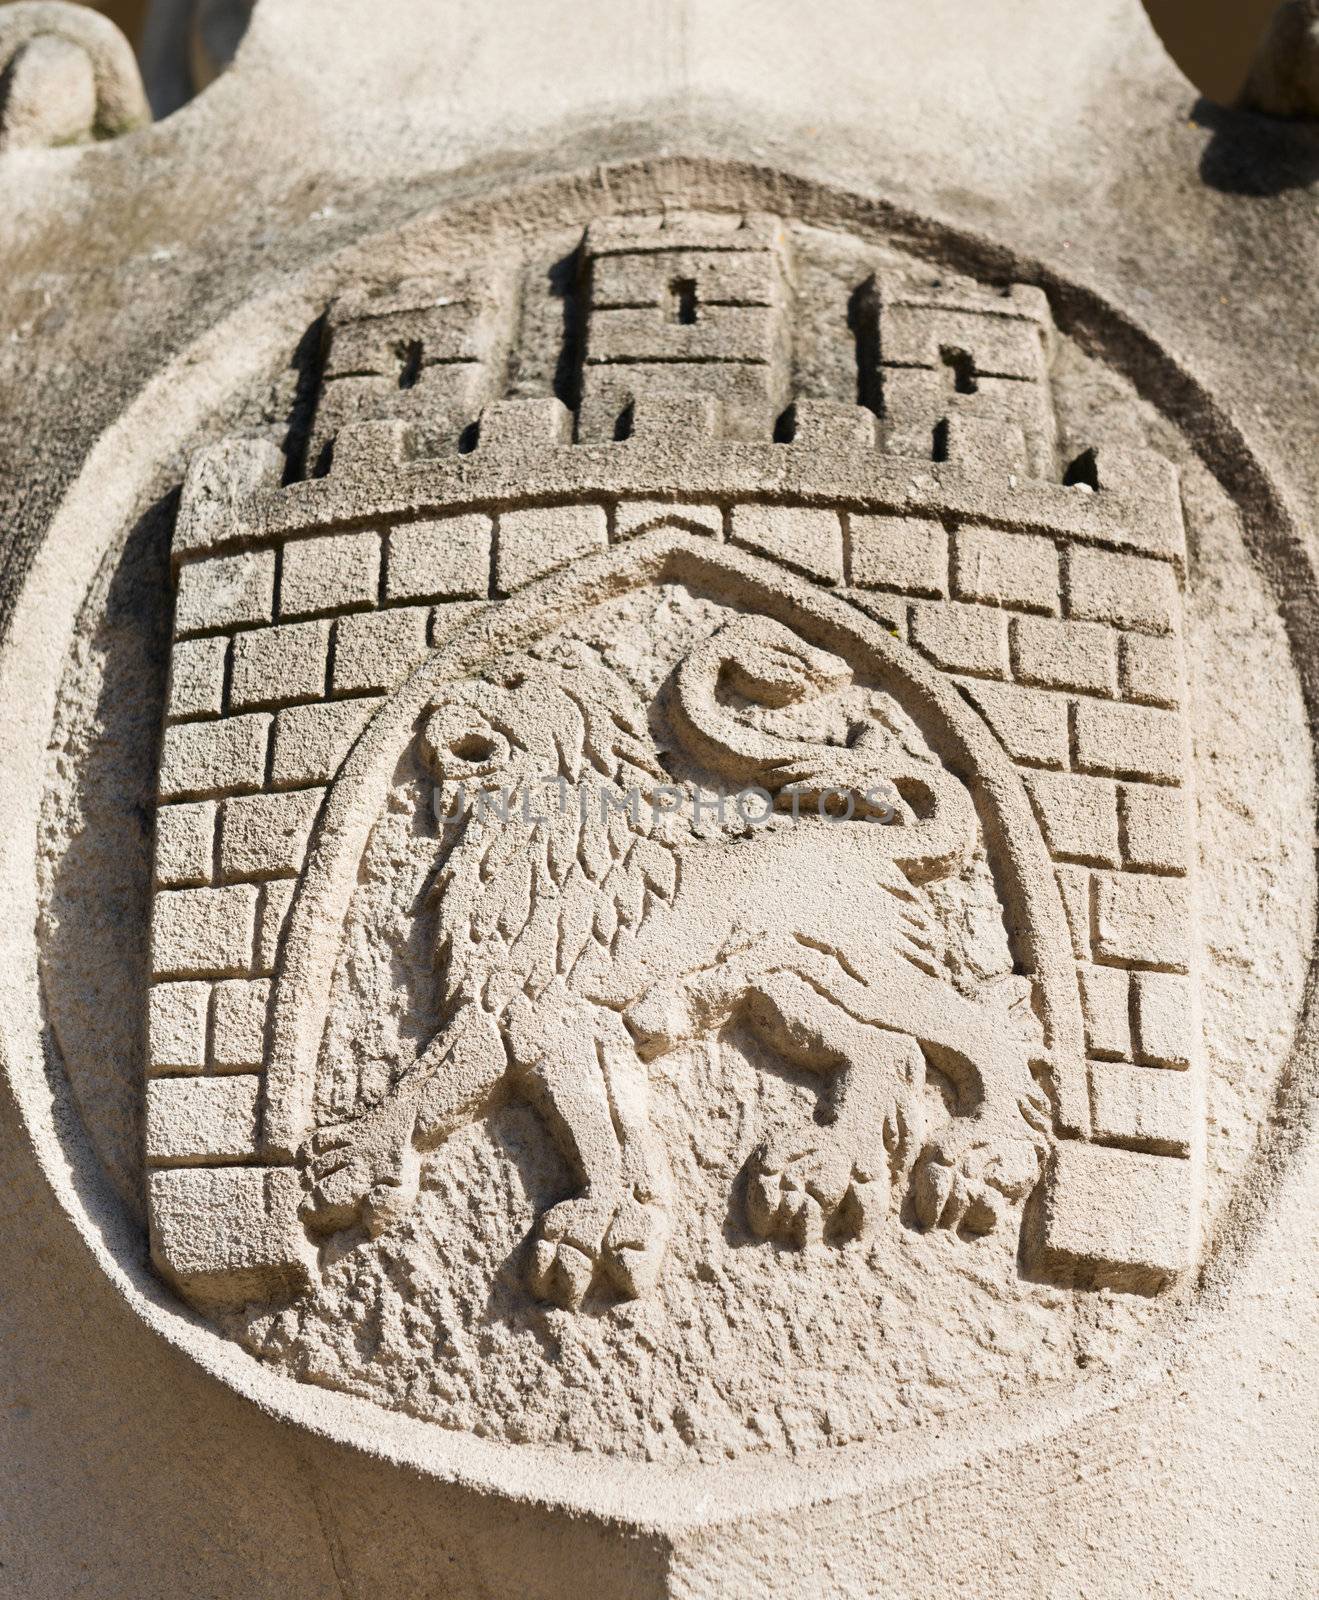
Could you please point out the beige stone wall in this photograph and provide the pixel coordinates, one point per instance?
(157, 287)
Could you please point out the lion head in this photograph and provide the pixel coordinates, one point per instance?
(533, 722)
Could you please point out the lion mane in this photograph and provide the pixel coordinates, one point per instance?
(556, 847)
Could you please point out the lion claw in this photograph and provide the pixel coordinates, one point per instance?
(800, 1194)
(623, 1240)
(973, 1181)
(932, 1189)
(635, 1246)
(364, 1170)
(560, 1273)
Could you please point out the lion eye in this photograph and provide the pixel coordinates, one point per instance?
(472, 747)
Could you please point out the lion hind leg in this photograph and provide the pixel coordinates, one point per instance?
(983, 1165)
(695, 1003)
(367, 1169)
(978, 1169)
(836, 1176)
(974, 1174)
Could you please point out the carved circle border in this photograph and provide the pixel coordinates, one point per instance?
(175, 411)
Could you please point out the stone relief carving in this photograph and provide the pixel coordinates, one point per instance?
(436, 876)
(507, 1170)
(600, 933)
(67, 75)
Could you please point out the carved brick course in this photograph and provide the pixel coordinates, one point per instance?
(1154, 823)
(277, 666)
(1151, 669)
(202, 1121)
(203, 932)
(340, 572)
(1129, 741)
(444, 558)
(1106, 1003)
(225, 592)
(272, 915)
(374, 650)
(196, 677)
(213, 758)
(176, 1027)
(1078, 816)
(908, 555)
(1163, 1013)
(961, 638)
(538, 540)
(640, 516)
(185, 844)
(1127, 590)
(1031, 725)
(311, 741)
(1005, 569)
(265, 835)
(1142, 921)
(1063, 655)
(810, 541)
(238, 1024)
(1129, 1211)
(1140, 1108)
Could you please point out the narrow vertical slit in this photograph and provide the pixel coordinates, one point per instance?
(684, 303)
(409, 364)
(962, 365)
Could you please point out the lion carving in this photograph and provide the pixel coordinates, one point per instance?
(579, 939)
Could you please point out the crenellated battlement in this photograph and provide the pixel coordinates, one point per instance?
(685, 386)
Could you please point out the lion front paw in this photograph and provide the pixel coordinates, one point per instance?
(619, 1238)
(802, 1191)
(973, 1177)
(363, 1170)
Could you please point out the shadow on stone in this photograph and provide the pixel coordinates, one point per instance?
(1251, 154)
(97, 886)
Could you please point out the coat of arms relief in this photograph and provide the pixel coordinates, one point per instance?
(765, 811)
